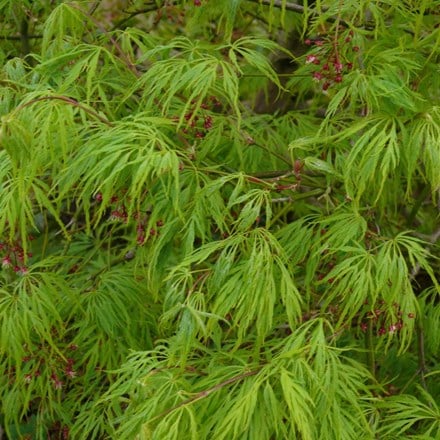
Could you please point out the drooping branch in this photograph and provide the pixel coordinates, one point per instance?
(207, 392)
(24, 37)
(67, 100)
(123, 56)
(280, 4)
(19, 37)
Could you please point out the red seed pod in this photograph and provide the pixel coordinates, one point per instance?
(28, 378)
(140, 239)
(392, 328)
(308, 42)
(338, 66)
(297, 167)
(317, 76)
(311, 59)
(6, 261)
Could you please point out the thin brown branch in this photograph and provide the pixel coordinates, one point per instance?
(206, 393)
(24, 38)
(94, 7)
(421, 355)
(123, 56)
(121, 22)
(67, 100)
(294, 7)
(279, 4)
(18, 37)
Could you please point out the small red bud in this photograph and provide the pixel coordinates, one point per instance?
(317, 76)
(338, 66)
(392, 328)
(6, 261)
(208, 122)
(311, 59)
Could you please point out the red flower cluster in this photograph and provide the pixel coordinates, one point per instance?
(331, 56)
(199, 124)
(13, 257)
(378, 318)
(118, 212)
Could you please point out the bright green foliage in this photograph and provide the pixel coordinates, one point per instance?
(220, 219)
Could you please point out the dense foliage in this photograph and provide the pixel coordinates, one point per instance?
(220, 219)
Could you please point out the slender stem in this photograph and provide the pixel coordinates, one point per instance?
(294, 7)
(18, 37)
(371, 360)
(123, 56)
(419, 201)
(24, 38)
(280, 4)
(421, 354)
(67, 100)
(274, 153)
(94, 7)
(206, 393)
(120, 23)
